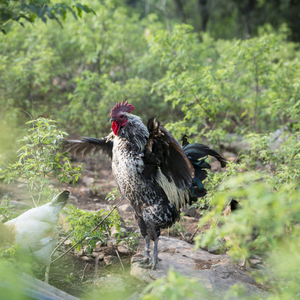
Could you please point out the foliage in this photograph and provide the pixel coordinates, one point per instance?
(211, 87)
(279, 153)
(6, 212)
(13, 263)
(83, 222)
(265, 225)
(130, 240)
(203, 86)
(227, 86)
(174, 287)
(29, 10)
(267, 221)
(111, 196)
(178, 228)
(40, 162)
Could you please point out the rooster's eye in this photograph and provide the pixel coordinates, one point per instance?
(121, 116)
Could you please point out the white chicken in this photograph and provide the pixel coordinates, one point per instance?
(35, 231)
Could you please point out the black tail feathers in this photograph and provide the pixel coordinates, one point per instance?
(197, 154)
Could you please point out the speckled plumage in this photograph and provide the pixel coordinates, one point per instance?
(152, 208)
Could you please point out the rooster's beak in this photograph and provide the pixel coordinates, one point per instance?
(112, 119)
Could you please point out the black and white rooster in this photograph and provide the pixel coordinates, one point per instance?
(151, 169)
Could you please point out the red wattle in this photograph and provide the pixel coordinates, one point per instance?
(115, 127)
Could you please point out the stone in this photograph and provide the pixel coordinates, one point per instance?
(87, 258)
(111, 243)
(99, 246)
(82, 251)
(125, 207)
(88, 180)
(114, 230)
(98, 255)
(85, 191)
(217, 249)
(110, 260)
(73, 198)
(140, 273)
(135, 258)
(215, 273)
(124, 249)
(78, 253)
(190, 211)
(68, 242)
(103, 207)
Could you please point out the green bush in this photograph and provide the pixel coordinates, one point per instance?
(40, 162)
(81, 223)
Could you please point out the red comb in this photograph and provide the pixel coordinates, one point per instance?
(121, 107)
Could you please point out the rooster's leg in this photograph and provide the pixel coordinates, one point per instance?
(144, 262)
(155, 257)
(147, 246)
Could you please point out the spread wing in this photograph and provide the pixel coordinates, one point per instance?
(88, 145)
(164, 152)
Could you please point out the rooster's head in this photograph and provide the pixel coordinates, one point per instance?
(119, 115)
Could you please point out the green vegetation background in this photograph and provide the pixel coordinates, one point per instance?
(214, 70)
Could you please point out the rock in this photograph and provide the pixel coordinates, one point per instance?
(103, 207)
(108, 284)
(98, 255)
(87, 250)
(140, 273)
(111, 243)
(78, 253)
(114, 230)
(110, 260)
(73, 198)
(124, 249)
(215, 273)
(88, 180)
(135, 258)
(67, 242)
(98, 248)
(87, 258)
(190, 211)
(217, 249)
(125, 207)
(82, 251)
(85, 191)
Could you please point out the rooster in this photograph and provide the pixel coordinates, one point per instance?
(35, 231)
(151, 169)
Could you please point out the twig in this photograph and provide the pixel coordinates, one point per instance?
(47, 272)
(191, 238)
(120, 260)
(96, 266)
(83, 273)
(95, 228)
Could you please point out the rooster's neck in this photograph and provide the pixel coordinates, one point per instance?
(133, 137)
